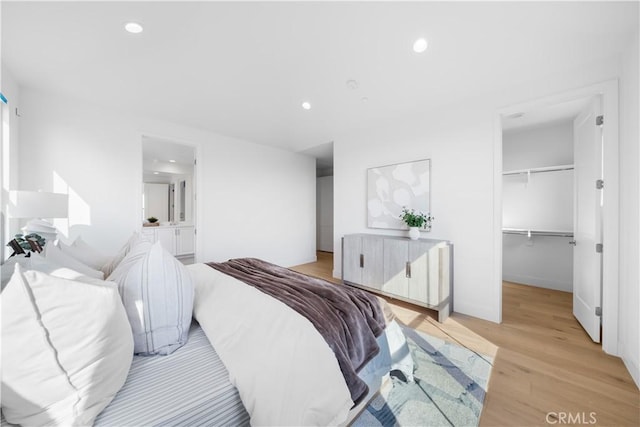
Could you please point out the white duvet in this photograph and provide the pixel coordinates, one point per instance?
(284, 370)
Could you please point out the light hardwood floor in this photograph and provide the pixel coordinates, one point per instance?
(545, 364)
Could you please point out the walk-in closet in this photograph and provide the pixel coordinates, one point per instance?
(552, 200)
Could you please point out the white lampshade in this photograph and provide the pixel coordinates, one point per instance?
(37, 204)
(39, 224)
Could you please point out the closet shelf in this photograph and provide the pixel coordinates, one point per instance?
(539, 170)
(527, 232)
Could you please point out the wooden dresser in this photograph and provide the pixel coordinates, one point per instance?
(416, 271)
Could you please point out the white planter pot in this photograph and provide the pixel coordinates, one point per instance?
(414, 233)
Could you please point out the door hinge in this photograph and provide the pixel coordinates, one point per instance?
(599, 120)
(599, 248)
(599, 184)
(599, 311)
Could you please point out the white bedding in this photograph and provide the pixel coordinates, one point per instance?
(281, 381)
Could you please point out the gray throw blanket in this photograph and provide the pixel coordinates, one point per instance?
(347, 318)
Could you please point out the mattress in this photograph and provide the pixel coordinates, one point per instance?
(190, 387)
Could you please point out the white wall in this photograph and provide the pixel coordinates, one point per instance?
(258, 202)
(324, 213)
(459, 140)
(544, 200)
(546, 145)
(629, 334)
(253, 200)
(544, 262)
(9, 155)
(459, 143)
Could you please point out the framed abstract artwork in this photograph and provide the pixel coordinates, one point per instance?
(392, 187)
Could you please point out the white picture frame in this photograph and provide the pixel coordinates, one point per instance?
(392, 187)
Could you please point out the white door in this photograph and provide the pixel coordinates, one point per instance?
(587, 263)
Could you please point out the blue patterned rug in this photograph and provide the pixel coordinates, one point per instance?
(449, 387)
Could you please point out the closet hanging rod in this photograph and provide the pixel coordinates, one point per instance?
(539, 170)
(526, 232)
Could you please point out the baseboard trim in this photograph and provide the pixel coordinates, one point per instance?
(633, 369)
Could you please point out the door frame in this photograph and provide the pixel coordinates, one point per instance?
(195, 209)
(610, 213)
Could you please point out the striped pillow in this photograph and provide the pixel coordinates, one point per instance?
(110, 266)
(135, 252)
(157, 293)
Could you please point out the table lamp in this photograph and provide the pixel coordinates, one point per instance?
(36, 205)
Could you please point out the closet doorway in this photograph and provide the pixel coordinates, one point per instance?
(554, 161)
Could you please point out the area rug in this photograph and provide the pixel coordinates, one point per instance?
(448, 390)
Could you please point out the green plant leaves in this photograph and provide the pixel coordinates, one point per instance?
(415, 219)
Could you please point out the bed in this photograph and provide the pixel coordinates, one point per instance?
(252, 358)
(203, 396)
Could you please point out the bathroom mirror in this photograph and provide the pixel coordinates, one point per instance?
(168, 181)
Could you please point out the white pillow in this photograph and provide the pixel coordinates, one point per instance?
(66, 349)
(9, 266)
(85, 254)
(53, 254)
(39, 263)
(110, 266)
(157, 293)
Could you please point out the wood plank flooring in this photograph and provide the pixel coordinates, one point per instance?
(546, 371)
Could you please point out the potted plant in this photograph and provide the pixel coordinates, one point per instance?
(153, 221)
(29, 243)
(415, 221)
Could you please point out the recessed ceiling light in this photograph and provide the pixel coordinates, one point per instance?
(172, 161)
(156, 173)
(133, 27)
(306, 105)
(420, 45)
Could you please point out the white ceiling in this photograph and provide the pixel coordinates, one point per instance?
(562, 112)
(243, 69)
(156, 149)
(157, 156)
